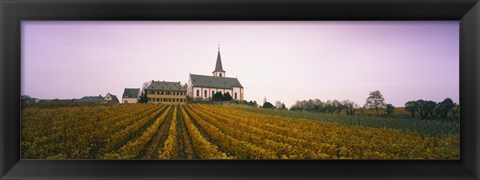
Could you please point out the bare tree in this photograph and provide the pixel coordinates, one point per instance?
(278, 104)
(143, 95)
(350, 106)
(375, 100)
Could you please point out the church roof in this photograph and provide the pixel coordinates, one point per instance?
(218, 65)
(214, 82)
(164, 85)
(131, 93)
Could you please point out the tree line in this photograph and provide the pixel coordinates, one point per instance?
(375, 100)
(431, 109)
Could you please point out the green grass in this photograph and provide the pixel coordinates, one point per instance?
(433, 127)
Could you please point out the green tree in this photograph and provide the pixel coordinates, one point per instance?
(375, 100)
(445, 106)
(227, 97)
(268, 105)
(412, 107)
(217, 96)
(422, 108)
(253, 103)
(455, 109)
(390, 108)
(430, 107)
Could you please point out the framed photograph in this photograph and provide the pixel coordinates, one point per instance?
(227, 89)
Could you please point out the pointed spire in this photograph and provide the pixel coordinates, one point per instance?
(218, 65)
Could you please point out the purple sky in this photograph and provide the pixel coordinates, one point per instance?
(285, 61)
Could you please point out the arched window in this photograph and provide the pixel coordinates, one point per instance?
(220, 74)
(205, 93)
(235, 95)
(213, 93)
(198, 92)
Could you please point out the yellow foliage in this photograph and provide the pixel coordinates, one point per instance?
(210, 132)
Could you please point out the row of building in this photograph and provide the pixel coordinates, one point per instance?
(198, 88)
(107, 99)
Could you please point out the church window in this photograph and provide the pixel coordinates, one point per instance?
(198, 92)
(235, 95)
(213, 93)
(220, 74)
(205, 93)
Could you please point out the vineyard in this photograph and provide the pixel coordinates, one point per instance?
(200, 131)
(432, 127)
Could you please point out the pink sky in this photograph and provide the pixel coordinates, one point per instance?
(285, 61)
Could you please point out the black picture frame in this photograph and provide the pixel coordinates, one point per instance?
(12, 12)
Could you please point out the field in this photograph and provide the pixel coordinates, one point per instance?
(429, 127)
(202, 131)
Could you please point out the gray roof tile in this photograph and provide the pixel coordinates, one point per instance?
(218, 65)
(214, 82)
(164, 85)
(131, 93)
(90, 99)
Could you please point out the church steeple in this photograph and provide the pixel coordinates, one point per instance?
(219, 72)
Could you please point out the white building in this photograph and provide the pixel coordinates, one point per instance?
(110, 98)
(131, 95)
(202, 87)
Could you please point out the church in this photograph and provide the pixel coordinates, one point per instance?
(203, 87)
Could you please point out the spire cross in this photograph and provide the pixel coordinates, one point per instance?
(218, 46)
